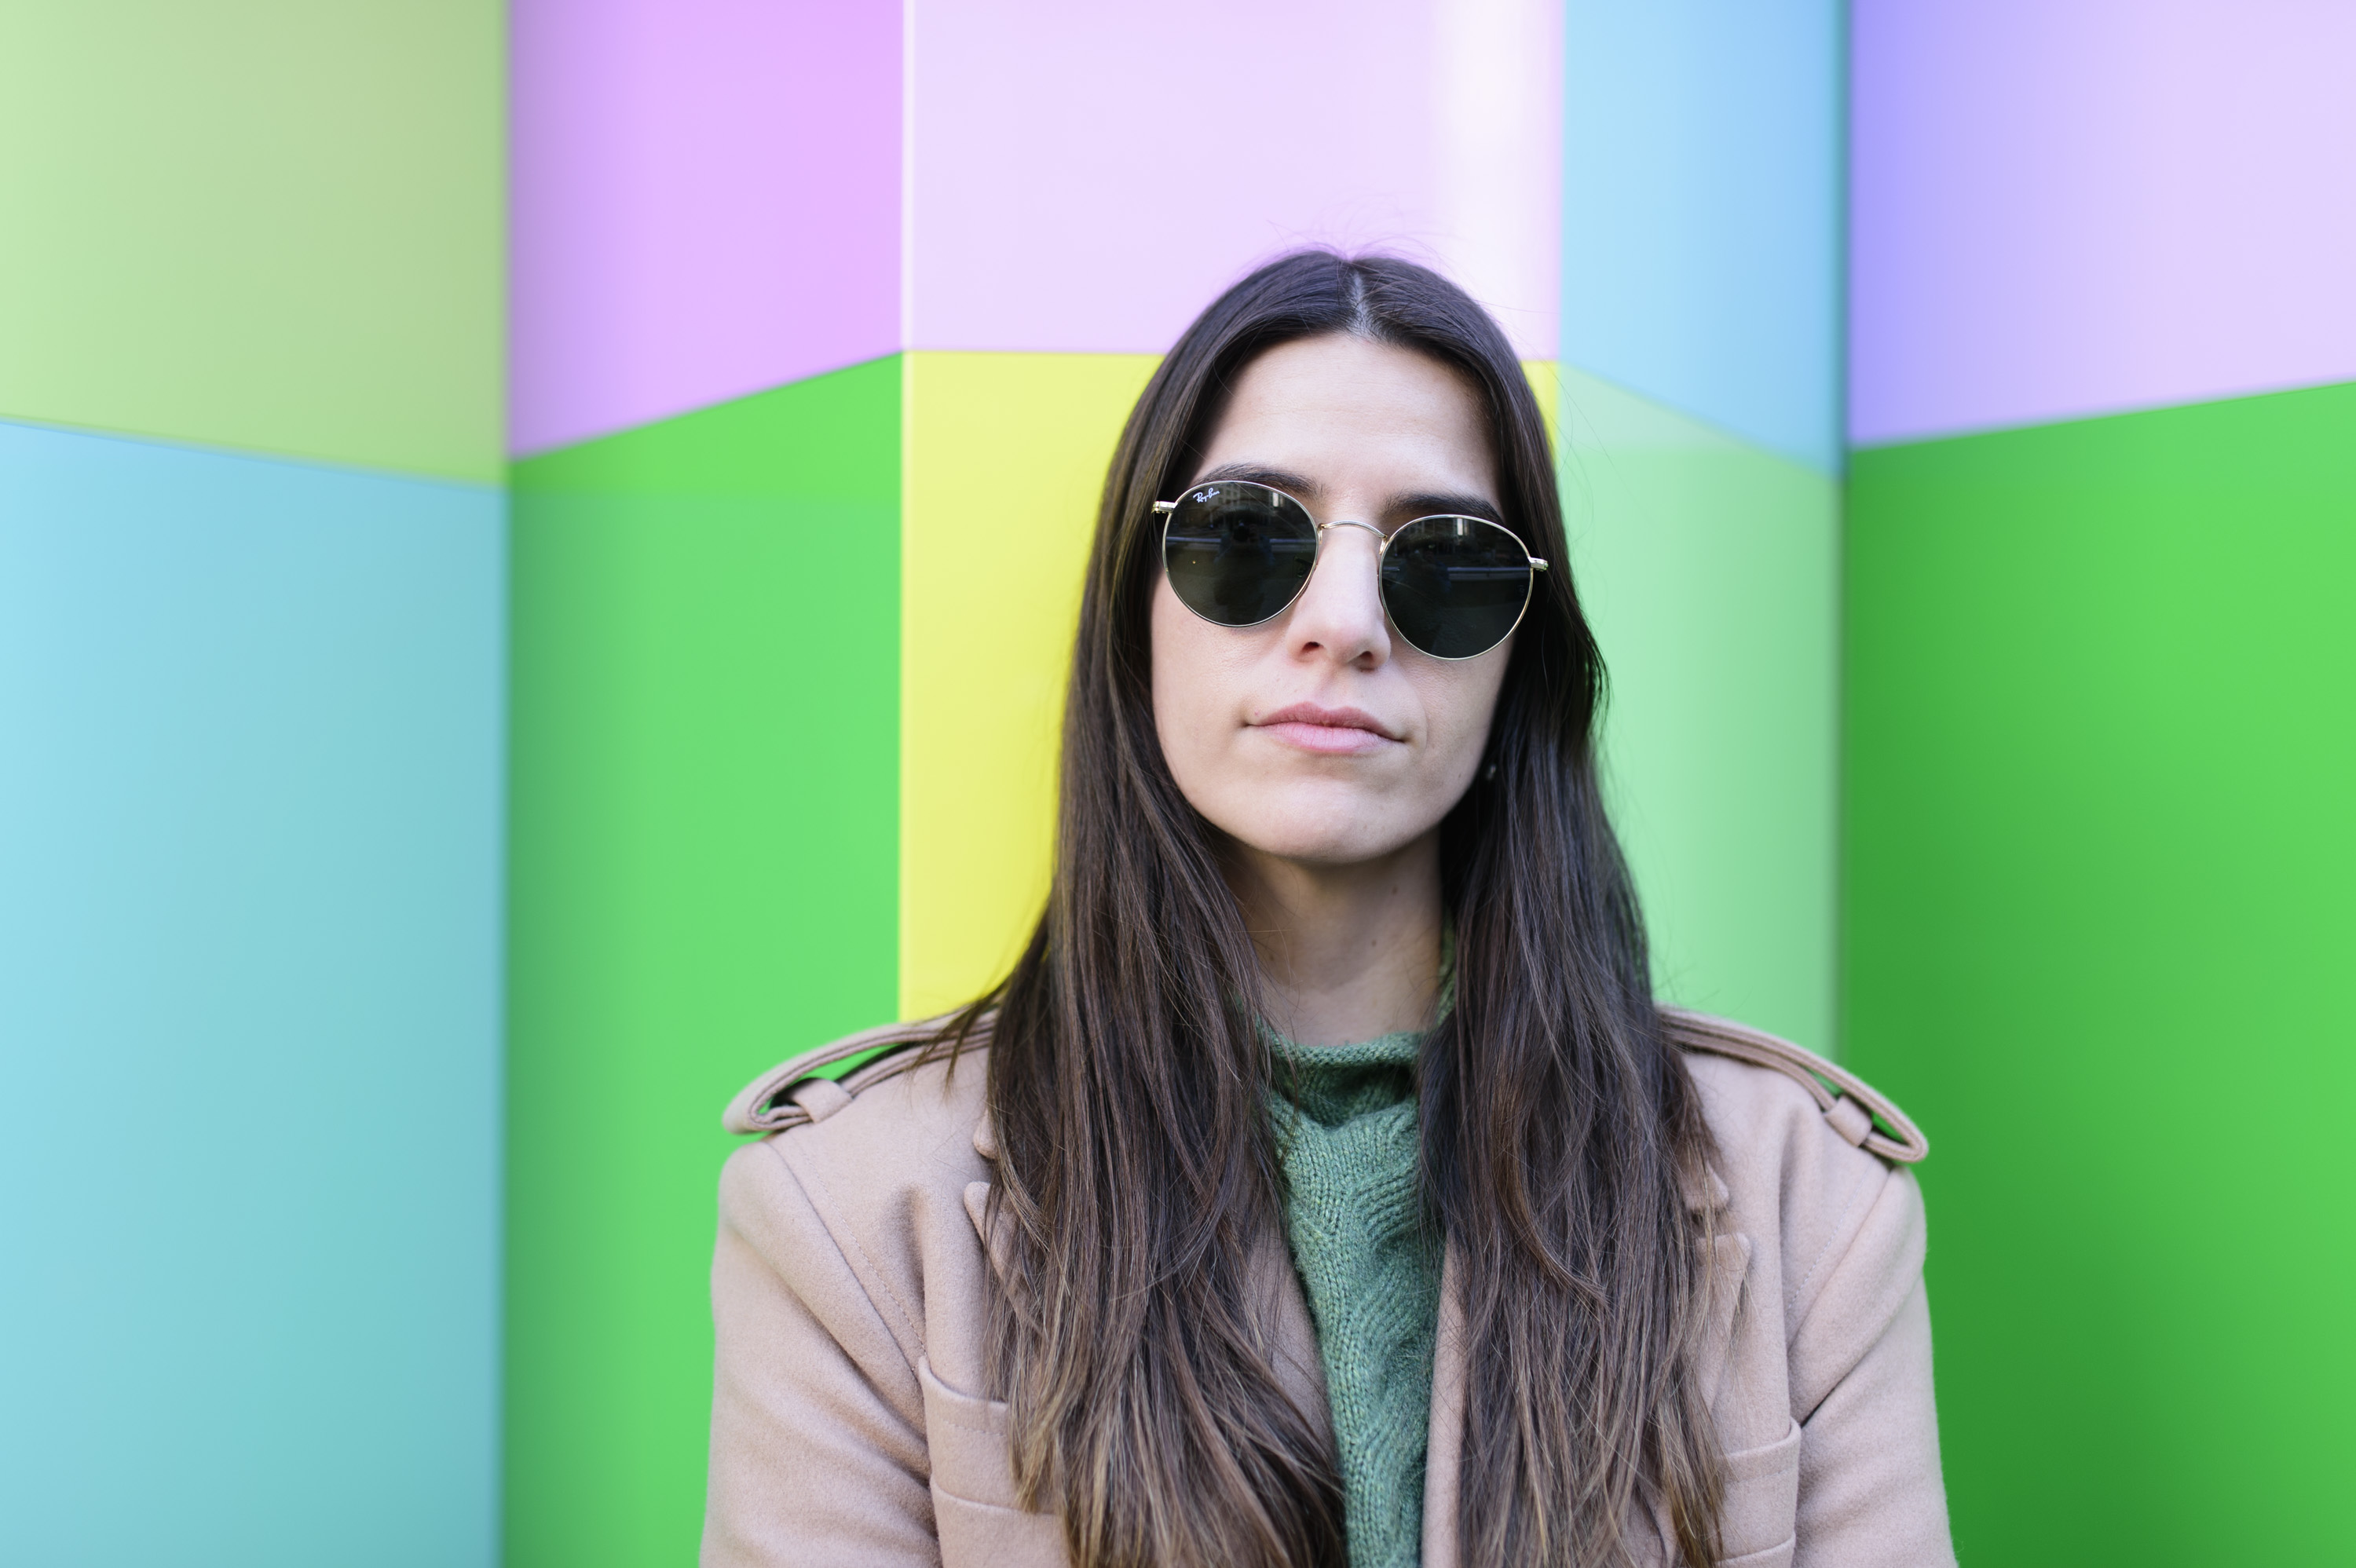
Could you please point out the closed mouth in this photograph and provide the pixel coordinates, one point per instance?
(1321, 729)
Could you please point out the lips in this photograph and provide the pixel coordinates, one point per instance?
(1333, 731)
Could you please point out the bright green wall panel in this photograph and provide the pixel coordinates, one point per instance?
(2101, 901)
(705, 825)
(269, 224)
(1710, 570)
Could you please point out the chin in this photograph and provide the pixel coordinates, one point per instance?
(1327, 851)
(1321, 831)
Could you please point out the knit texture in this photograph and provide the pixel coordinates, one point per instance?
(1344, 1119)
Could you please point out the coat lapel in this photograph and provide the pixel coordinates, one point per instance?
(979, 1526)
(1292, 1332)
(1443, 1458)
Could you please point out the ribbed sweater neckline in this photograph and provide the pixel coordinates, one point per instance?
(1331, 1084)
(1368, 1253)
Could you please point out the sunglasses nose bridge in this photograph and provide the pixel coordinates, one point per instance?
(1381, 539)
(1341, 604)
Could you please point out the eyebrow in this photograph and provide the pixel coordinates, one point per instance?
(1414, 504)
(1300, 487)
(1427, 504)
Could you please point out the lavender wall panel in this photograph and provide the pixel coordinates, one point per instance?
(706, 204)
(2072, 206)
(1086, 177)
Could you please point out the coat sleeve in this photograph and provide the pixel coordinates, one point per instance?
(818, 1434)
(1870, 1493)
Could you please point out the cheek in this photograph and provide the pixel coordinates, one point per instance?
(1461, 701)
(1184, 680)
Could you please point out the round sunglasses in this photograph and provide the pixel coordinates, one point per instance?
(1240, 553)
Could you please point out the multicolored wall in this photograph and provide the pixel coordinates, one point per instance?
(2100, 611)
(253, 649)
(658, 672)
(824, 326)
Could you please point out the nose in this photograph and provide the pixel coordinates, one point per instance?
(1339, 615)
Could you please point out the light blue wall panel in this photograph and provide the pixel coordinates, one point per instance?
(251, 730)
(1702, 212)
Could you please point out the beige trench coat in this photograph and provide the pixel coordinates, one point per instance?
(847, 1289)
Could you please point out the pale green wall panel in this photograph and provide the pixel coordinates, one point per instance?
(258, 223)
(1710, 569)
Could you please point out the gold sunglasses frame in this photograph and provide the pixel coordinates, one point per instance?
(1537, 563)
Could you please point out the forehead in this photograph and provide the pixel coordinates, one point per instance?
(1355, 415)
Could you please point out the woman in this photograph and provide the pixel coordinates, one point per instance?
(1346, 1197)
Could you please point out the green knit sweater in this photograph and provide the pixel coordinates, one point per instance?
(1369, 1259)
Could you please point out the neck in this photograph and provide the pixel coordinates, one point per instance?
(1349, 952)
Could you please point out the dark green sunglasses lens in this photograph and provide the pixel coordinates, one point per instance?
(1237, 553)
(1455, 586)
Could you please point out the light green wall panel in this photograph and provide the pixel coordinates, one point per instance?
(2101, 873)
(703, 880)
(267, 224)
(1710, 569)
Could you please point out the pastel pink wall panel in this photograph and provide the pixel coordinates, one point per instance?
(706, 204)
(1087, 176)
(2063, 208)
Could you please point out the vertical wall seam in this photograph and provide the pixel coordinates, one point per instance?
(901, 872)
(1837, 1012)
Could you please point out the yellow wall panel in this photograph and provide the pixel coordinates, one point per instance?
(1006, 458)
(1545, 380)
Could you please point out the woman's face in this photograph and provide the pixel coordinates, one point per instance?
(1322, 737)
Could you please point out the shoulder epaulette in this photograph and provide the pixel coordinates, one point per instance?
(816, 1084)
(1853, 1107)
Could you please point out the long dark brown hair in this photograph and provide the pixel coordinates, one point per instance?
(1138, 1182)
